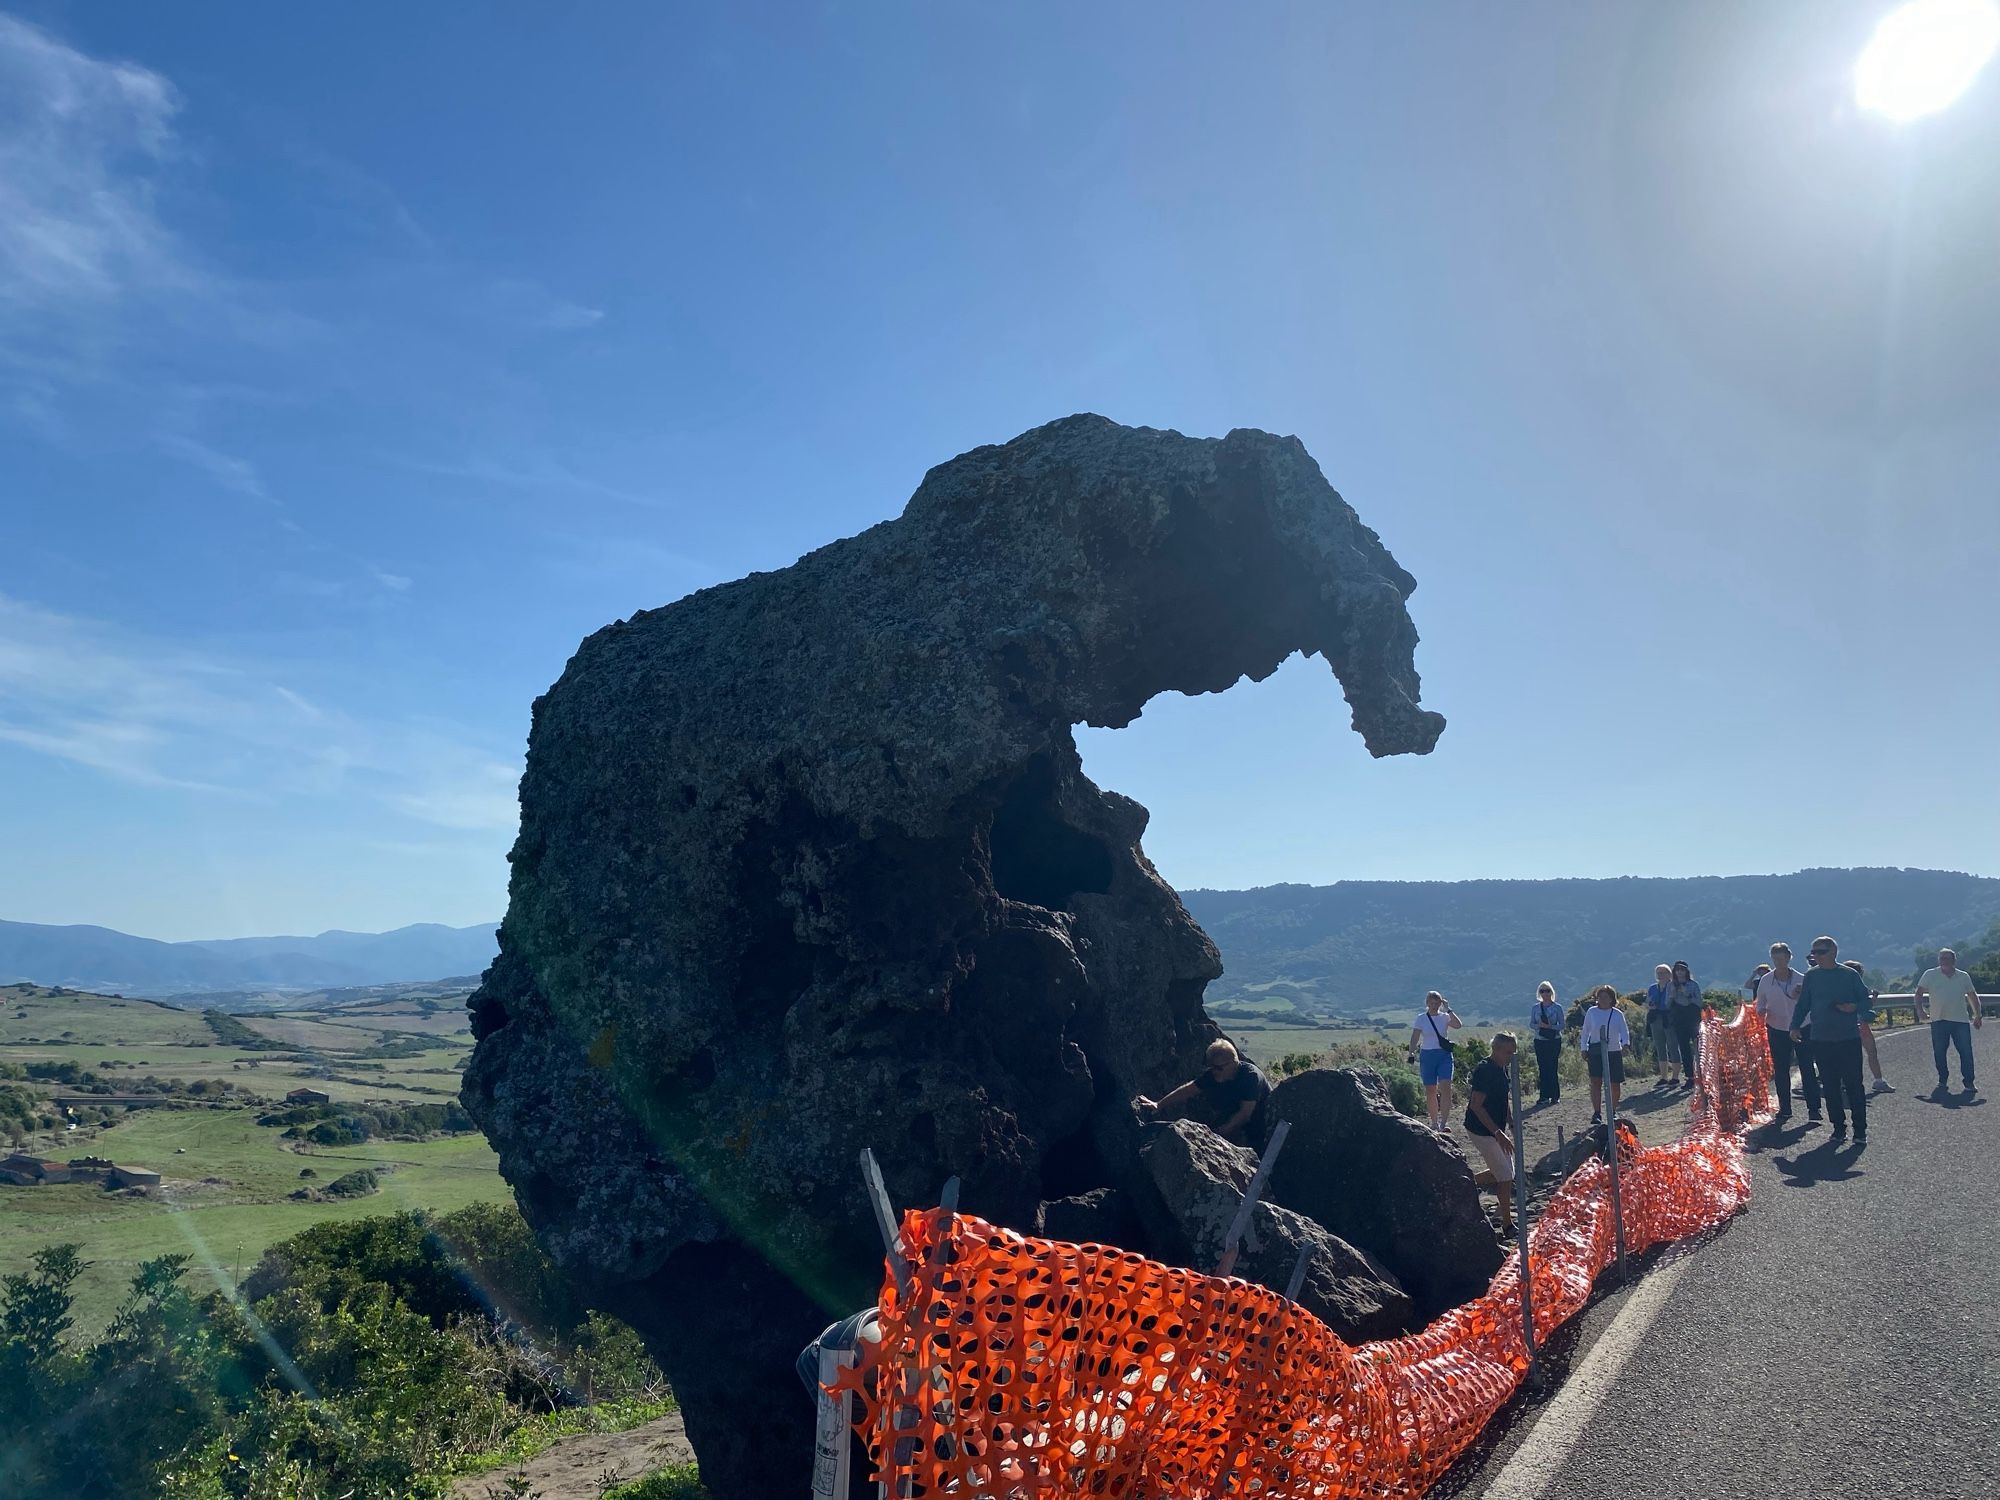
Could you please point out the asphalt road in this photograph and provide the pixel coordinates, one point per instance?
(1840, 1338)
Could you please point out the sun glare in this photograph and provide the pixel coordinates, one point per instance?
(1925, 55)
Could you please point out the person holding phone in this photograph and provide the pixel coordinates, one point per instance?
(1545, 1025)
(1432, 1051)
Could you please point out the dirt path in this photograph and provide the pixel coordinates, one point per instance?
(576, 1468)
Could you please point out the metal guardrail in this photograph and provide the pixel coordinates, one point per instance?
(1888, 1005)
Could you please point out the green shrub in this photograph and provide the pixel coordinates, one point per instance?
(366, 1367)
(679, 1482)
(233, 1033)
(356, 1184)
(1406, 1089)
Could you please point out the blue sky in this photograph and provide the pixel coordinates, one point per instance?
(356, 361)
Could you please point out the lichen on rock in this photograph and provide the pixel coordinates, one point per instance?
(808, 862)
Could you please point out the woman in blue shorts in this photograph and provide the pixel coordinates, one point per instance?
(1431, 1051)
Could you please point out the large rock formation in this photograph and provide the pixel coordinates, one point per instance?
(808, 863)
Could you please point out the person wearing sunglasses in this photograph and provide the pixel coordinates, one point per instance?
(1833, 1001)
(1232, 1093)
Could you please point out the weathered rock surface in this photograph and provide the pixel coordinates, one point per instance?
(1382, 1181)
(1199, 1180)
(808, 863)
(1102, 1216)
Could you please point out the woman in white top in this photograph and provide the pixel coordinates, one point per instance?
(1432, 1052)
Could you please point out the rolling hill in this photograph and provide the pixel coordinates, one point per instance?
(1357, 948)
(1374, 947)
(98, 958)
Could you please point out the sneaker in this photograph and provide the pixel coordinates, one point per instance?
(1597, 1117)
(1813, 1117)
(1883, 1086)
(1839, 1134)
(1860, 1139)
(1782, 1117)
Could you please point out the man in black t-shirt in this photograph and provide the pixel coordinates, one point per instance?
(1488, 1112)
(1232, 1092)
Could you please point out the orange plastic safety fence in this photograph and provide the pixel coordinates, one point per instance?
(1014, 1367)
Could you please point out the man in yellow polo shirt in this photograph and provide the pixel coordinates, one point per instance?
(1946, 992)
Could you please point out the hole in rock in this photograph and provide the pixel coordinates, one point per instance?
(1037, 857)
(700, 1070)
(1073, 1165)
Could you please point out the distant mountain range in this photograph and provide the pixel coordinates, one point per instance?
(97, 958)
(1358, 948)
(1363, 948)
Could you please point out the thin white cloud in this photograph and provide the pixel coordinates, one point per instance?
(80, 139)
(231, 472)
(569, 317)
(531, 305)
(538, 471)
(155, 714)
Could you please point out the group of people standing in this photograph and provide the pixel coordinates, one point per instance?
(1816, 1020)
(1819, 1021)
(1673, 1022)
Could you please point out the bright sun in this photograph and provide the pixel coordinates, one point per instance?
(1925, 55)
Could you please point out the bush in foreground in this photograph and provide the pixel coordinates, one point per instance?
(367, 1360)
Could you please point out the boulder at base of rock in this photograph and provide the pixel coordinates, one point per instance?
(1582, 1147)
(1198, 1181)
(1102, 1216)
(1383, 1182)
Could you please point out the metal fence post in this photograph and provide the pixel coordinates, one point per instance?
(1611, 1145)
(1521, 1210)
(1233, 1243)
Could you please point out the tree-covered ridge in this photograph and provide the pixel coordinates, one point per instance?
(1374, 947)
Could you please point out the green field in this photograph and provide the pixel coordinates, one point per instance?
(226, 1179)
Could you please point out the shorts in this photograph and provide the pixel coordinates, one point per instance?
(1498, 1157)
(1596, 1068)
(1434, 1063)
